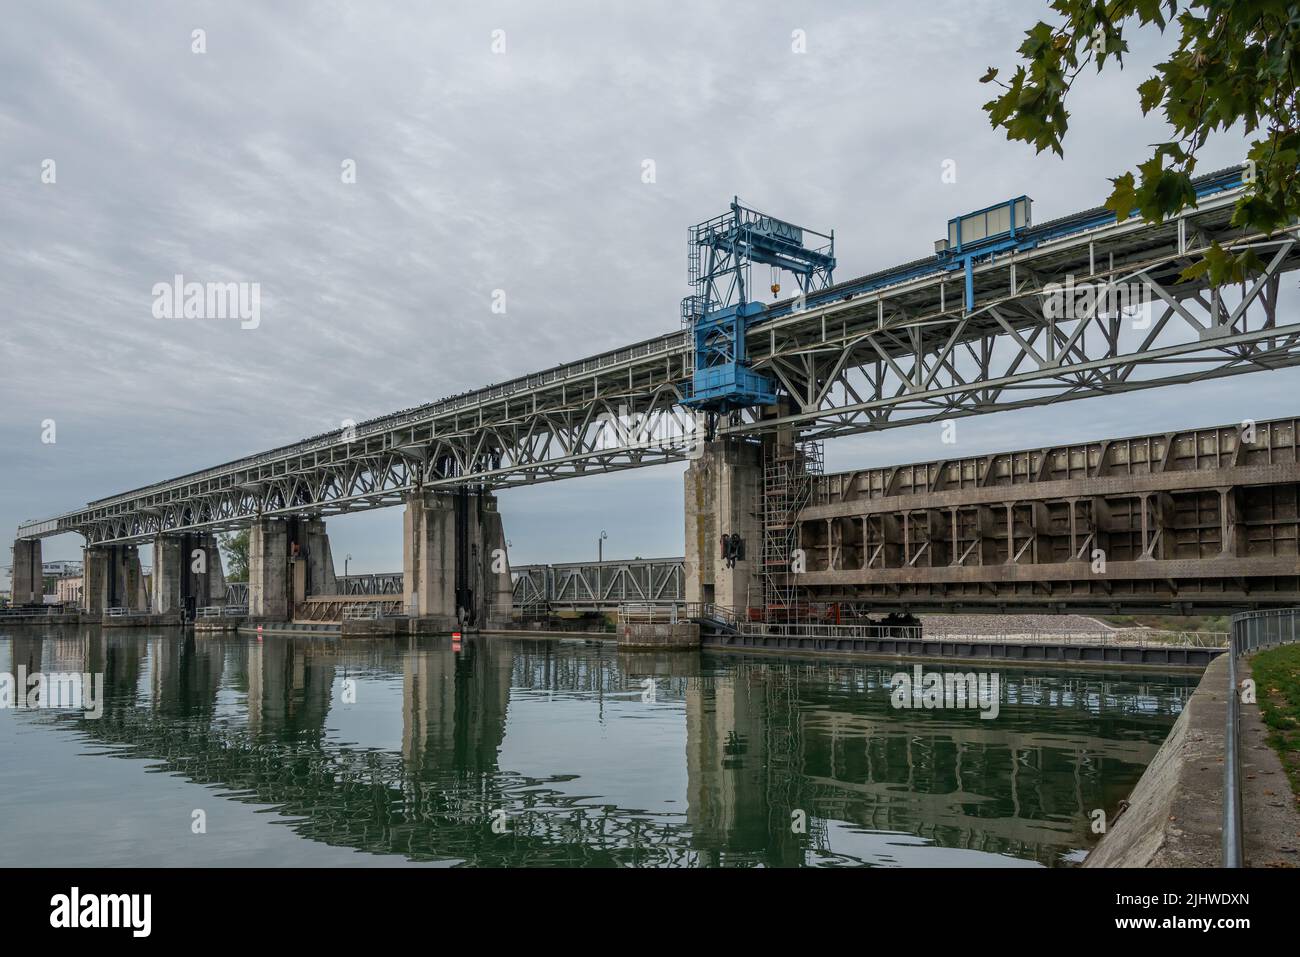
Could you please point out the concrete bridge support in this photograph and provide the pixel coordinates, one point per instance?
(112, 578)
(187, 573)
(288, 560)
(28, 585)
(455, 568)
(724, 489)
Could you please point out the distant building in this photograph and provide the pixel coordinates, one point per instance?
(67, 589)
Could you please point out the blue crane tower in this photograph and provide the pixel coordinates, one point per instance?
(721, 251)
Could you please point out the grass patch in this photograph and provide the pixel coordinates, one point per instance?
(1277, 686)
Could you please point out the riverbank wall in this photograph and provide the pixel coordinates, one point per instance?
(1174, 816)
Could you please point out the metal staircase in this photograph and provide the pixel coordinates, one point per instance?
(787, 488)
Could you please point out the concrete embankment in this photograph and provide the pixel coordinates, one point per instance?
(1174, 817)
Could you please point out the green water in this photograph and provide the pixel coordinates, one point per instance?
(515, 752)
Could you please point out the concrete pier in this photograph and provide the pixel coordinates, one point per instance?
(288, 560)
(178, 583)
(723, 497)
(113, 579)
(268, 570)
(454, 562)
(28, 585)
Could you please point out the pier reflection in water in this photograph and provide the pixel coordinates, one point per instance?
(588, 757)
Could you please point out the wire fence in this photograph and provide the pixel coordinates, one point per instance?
(1251, 632)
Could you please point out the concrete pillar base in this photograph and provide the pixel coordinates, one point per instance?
(187, 573)
(28, 583)
(724, 489)
(268, 570)
(112, 578)
(433, 625)
(288, 560)
(454, 561)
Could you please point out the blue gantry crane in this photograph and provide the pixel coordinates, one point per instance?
(721, 253)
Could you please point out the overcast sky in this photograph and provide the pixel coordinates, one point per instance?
(478, 170)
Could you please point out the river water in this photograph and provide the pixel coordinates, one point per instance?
(518, 752)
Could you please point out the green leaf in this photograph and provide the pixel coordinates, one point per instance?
(1123, 199)
(1151, 92)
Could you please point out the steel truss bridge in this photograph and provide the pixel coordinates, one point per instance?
(573, 586)
(890, 349)
(599, 586)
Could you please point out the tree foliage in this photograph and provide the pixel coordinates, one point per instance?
(1236, 62)
(235, 548)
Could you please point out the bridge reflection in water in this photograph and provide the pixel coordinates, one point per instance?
(591, 769)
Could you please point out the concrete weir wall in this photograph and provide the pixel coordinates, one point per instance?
(723, 497)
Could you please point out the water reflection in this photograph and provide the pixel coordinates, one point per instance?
(591, 758)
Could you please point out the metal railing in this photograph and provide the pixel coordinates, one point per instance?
(712, 611)
(864, 630)
(1251, 631)
(222, 611)
(1127, 637)
(649, 613)
(30, 611)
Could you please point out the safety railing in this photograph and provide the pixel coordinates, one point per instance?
(711, 611)
(28, 611)
(1128, 637)
(1251, 631)
(366, 612)
(649, 613)
(222, 611)
(804, 630)
(117, 611)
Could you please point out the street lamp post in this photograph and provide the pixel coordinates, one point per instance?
(346, 559)
(600, 546)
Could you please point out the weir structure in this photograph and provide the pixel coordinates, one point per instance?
(1005, 314)
(1199, 520)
